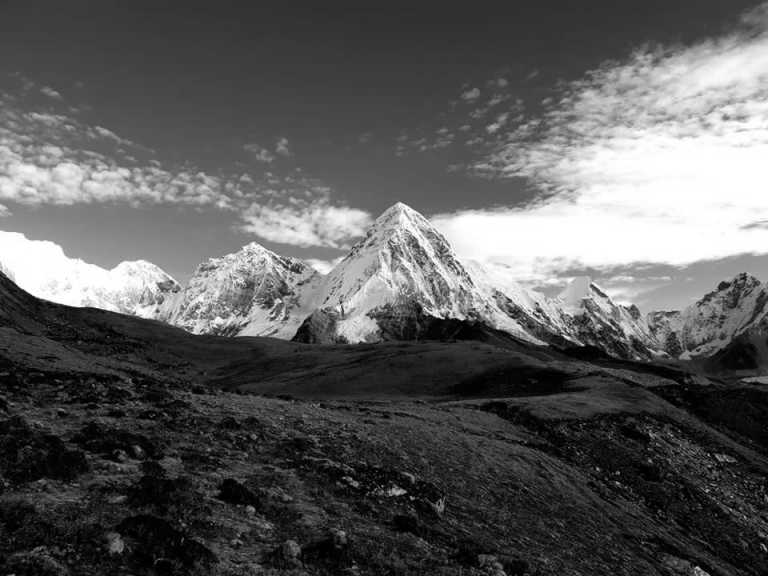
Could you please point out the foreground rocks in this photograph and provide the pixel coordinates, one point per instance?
(605, 481)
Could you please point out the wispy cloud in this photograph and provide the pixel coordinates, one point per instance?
(52, 158)
(323, 266)
(51, 93)
(259, 153)
(307, 223)
(48, 158)
(283, 147)
(656, 158)
(471, 94)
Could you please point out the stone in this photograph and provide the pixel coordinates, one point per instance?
(115, 543)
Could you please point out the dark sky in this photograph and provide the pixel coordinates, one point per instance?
(196, 81)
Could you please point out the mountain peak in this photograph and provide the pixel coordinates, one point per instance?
(255, 248)
(399, 213)
(740, 281)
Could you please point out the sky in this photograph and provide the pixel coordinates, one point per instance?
(547, 139)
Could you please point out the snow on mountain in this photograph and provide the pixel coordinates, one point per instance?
(253, 292)
(714, 321)
(598, 321)
(583, 314)
(402, 260)
(44, 270)
(542, 317)
(665, 326)
(396, 283)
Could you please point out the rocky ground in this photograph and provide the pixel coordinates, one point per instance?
(108, 475)
(130, 448)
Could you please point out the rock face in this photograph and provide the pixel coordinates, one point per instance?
(582, 315)
(402, 281)
(253, 292)
(595, 320)
(42, 269)
(736, 307)
(403, 260)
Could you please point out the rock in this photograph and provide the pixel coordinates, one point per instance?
(229, 423)
(119, 456)
(410, 524)
(725, 459)
(490, 565)
(151, 538)
(164, 495)
(102, 439)
(250, 510)
(439, 506)
(332, 552)
(115, 544)
(138, 452)
(393, 491)
(36, 562)
(351, 482)
(27, 455)
(409, 477)
(290, 553)
(234, 492)
(339, 538)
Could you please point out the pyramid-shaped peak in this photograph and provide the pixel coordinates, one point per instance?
(254, 247)
(399, 212)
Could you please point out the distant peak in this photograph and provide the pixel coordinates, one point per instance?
(134, 265)
(738, 281)
(256, 249)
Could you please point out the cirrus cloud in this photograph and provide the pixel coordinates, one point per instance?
(49, 158)
(315, 223)
(656, 158)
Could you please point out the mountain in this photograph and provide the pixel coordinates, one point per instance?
(402, 272)
(598, 321)
(402, 281)
(253, 292)
(132, 447)
(737, 306)
(582, 315)
(43, 269)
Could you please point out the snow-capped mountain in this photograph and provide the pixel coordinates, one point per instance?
(253, 292)
(598, 321)
(713, 322)
(583, 314)
(399, 282)
(44, 270)
(402, 261)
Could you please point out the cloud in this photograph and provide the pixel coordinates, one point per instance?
(48, 158)
(658, 158)
(259, 153)
(307, 224)
(282, 147)
(323, 266)
(470, 95)
(51, 93)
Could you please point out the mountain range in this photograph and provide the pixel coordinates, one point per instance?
(399, 282)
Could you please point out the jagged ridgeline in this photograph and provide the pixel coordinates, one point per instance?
(402, 281)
